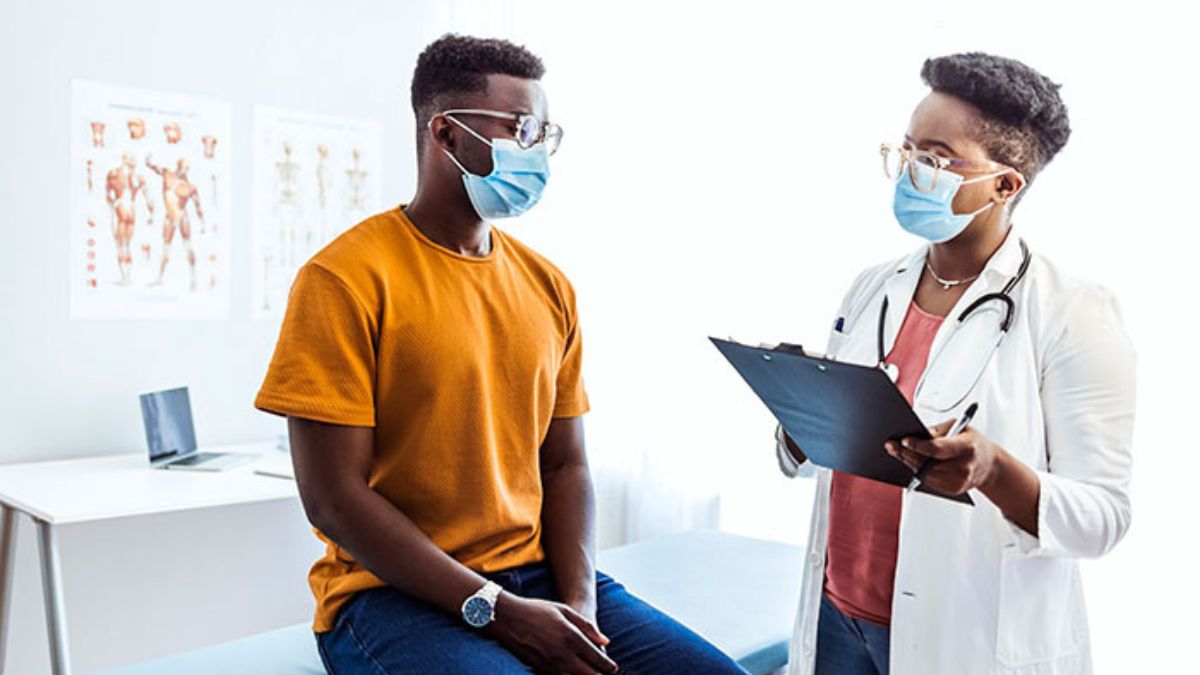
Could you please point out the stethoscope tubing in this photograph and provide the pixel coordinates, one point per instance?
(1004, 296)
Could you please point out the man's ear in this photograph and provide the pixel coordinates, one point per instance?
(441, 133)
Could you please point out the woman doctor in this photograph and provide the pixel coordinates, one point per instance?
(917, 584)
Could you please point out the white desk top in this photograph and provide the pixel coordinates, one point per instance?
(99, 488)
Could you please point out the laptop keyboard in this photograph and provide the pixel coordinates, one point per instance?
(199, 457)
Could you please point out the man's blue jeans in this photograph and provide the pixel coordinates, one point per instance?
(847, 646)
(385, 632)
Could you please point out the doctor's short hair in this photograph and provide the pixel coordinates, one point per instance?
(1024, 120)
(454, 65)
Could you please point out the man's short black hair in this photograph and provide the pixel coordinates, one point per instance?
(454, 65)
(1024, 120)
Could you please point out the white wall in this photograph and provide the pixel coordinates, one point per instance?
(718, 176)
(70, 388)
(72, 385)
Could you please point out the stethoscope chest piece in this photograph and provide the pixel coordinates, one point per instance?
(892, 370)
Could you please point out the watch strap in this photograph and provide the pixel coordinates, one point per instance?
(490, 592)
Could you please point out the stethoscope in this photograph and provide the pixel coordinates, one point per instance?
(1003, 296)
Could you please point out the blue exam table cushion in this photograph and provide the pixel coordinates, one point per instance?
(739, 593)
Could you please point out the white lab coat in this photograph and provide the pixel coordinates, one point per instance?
(974, 593)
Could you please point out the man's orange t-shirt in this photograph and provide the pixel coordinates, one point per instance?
(458, 363)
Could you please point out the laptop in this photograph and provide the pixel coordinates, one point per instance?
(171, 437)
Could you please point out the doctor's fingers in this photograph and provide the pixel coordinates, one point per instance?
(947, 476)
(942, 448)
(951, 477)
(906, 457)
(940, 430)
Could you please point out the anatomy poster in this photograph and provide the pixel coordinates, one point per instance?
(150, 195)
(314, 177)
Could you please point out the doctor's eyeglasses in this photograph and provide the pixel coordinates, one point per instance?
(530, 129)
(924, 168)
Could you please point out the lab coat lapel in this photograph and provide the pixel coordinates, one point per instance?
(899, 289)
(1001, 267)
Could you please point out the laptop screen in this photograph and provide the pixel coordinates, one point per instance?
(167, 416)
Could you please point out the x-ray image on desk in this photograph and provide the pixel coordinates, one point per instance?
(167, 416)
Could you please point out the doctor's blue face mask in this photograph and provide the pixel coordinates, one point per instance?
(925, 191)
(518, 178)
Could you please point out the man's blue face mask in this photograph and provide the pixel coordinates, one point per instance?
(517, 180)
(930, 214)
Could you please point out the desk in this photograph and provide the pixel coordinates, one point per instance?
(102, 488)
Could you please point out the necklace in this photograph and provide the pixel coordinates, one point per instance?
(947, 284)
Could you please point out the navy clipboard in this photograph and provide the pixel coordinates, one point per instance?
(840, 414)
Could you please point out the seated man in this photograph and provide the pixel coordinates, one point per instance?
(429, 367)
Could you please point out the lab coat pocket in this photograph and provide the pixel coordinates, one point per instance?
(1041, 617)
(851, 347)
(837, 340)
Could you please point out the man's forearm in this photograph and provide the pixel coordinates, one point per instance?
(569, 535)
(383, 540)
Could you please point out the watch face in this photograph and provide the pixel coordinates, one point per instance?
(477, 612)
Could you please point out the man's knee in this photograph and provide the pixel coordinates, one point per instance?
(647, 640)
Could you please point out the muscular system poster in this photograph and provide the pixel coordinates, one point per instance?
(150, 194)
(314, 177)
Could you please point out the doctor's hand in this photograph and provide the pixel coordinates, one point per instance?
(962, 462)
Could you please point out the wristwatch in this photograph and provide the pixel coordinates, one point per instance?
(479, 609)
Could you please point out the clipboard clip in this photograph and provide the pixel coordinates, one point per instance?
(794, 349)
(790, 348)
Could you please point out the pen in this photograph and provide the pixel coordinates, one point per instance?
(958, 427)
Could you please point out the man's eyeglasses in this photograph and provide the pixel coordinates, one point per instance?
(929, 166)
(531, 129)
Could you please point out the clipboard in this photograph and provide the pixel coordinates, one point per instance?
(840, 414)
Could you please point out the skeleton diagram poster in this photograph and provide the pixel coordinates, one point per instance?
(150, 188)
(314, 177)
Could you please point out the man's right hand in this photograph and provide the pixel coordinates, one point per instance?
(550, 637)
